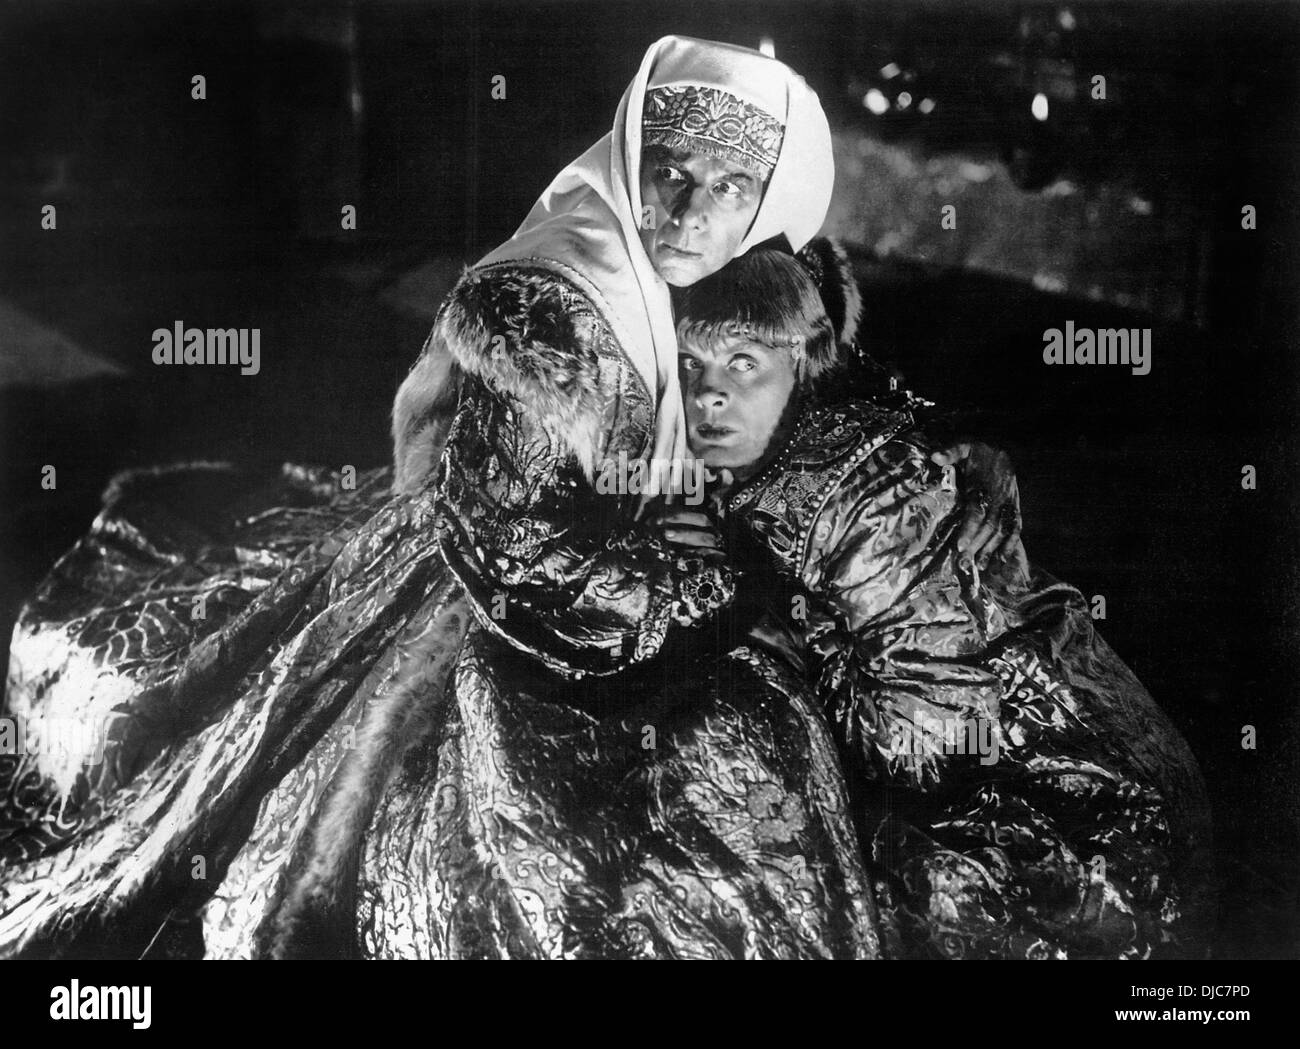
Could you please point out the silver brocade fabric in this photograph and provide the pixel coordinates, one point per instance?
(1021, 794)
(538, 831)
(214, 628)
(518, 826)
(323, 742)
(331, 759)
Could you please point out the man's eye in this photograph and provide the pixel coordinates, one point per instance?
(727, 188)
(670, 174)
(744, 364)
(688, 364)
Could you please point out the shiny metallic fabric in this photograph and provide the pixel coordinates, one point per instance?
(1081, 827)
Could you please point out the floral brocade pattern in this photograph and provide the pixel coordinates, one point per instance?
(463, 723)
(714, 122)
(194, 737)
(1081, 827)
(554, 566)
(705, 820)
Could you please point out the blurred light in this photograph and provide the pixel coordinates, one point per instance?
(926, 105)
(1066, 19)
(1039, 106)
(1062, 187)
(876, 102)
(890, 71)
(767, 46)
(904, 100)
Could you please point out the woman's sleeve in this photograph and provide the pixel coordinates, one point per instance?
(552, 564)
(899, 619)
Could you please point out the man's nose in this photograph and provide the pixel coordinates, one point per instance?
(709, 394)
(690, 206)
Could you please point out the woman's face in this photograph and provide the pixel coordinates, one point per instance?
(703, 207)
(736, 392)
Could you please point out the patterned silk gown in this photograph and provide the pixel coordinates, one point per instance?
(486, 717)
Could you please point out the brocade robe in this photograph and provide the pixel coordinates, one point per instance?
(1017, 789)
(469, 708)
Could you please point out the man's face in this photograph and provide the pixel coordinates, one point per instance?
(736, 392)
(703, 207)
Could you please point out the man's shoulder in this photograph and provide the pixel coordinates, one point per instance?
(839, 434)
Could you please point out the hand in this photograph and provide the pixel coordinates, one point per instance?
(690, 531)
(988, 481)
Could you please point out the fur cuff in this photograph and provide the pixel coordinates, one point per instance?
(517, 329)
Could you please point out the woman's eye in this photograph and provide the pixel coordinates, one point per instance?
(688, 364)
(670, 174)
(727, 189)
(744, 364)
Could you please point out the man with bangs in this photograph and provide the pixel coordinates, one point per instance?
(1020, 793)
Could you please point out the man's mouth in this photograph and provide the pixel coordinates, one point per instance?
(681, 253)
(713, 432)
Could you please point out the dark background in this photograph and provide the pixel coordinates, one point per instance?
(1123, 212)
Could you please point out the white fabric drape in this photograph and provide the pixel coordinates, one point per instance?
(585, 225)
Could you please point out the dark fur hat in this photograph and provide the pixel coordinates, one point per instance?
(832, 271)
(808, 303)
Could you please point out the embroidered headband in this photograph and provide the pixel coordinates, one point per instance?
(709, 120)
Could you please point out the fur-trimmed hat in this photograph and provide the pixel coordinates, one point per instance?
(808, 303)
(832, 272)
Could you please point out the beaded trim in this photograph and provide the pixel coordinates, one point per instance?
(749, 489)
(800, 517)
